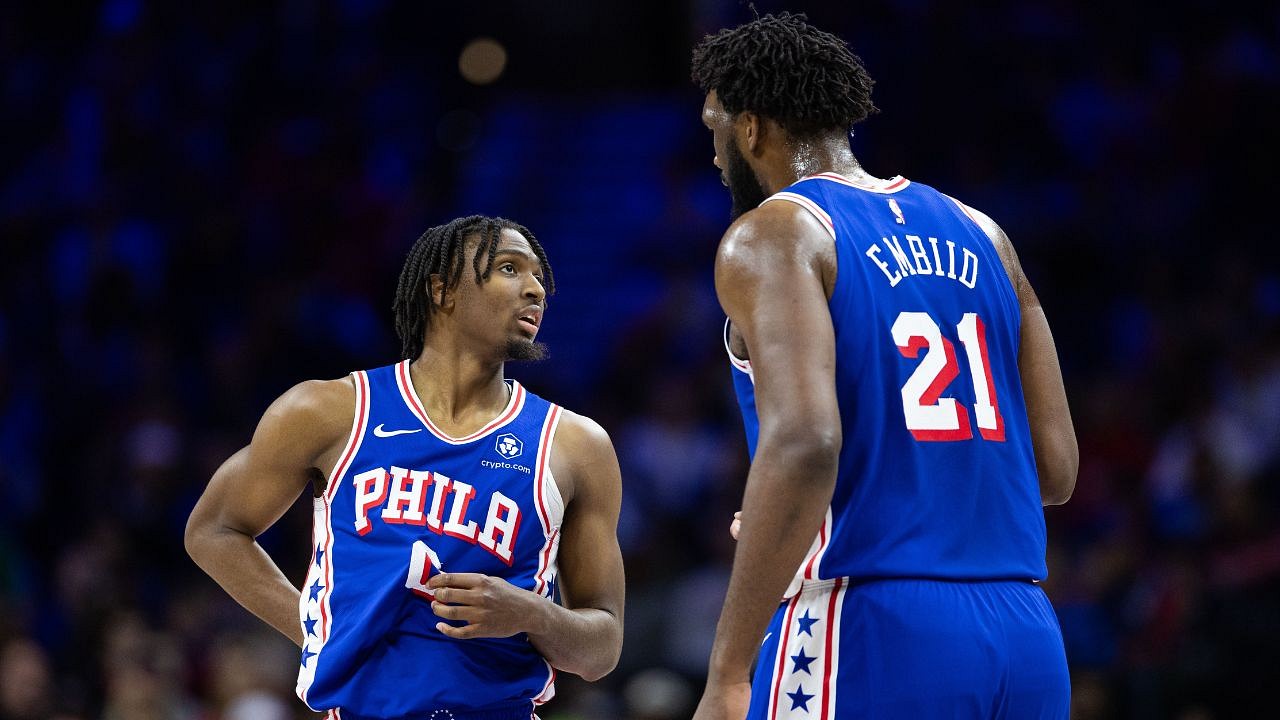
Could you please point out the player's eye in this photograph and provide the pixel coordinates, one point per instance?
(508, 268)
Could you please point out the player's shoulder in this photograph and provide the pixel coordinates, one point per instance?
(999, 239)
(774, 230)
(320, 405)
(580, 436)
(982, 220)
(583, 459)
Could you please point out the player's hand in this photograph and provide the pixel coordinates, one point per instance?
(491, 606)
(724, 702)
(735, 527)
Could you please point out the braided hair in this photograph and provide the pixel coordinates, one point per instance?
(785, 69)
(440, 251)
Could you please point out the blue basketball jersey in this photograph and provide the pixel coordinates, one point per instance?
(405, 502)
(937, 477)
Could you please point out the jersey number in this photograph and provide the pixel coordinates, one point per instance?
(930, 416)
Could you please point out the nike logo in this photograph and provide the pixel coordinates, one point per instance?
(392, 433)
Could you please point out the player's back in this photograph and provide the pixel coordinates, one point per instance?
(937, 474)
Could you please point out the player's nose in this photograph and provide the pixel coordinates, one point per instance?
(534, 291)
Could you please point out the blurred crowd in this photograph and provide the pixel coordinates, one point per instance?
(200, 207)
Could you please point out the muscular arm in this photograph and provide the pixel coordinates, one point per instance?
(1052, 433)
(255, 486)
(584, 636)
(769, 278)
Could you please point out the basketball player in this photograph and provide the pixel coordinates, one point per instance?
(449, 506)
(904, 408)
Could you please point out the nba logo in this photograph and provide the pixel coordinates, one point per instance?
(897, 211)
(509, 446)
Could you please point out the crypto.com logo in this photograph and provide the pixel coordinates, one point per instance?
(509, 446)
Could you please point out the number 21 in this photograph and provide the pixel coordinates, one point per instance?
(930, 416)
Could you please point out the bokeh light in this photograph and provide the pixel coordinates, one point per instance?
(482, 61)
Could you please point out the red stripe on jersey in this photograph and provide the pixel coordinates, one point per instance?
(411, 398)
(548, 690)
(362, 422)
(357, 434)
(814, 209)
(539, 495)
(822, 543)
(831, 639)
(881, 186)
(782, 656)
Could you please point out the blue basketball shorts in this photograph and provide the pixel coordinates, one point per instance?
(912, 649)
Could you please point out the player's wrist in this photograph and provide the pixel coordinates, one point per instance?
(724, 672)
(538, 615)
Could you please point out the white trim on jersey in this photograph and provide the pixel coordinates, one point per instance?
(968, 211)
(737, 362)
(882, 187)
(404, 380)
(814, 209)
(359, 422)
(813, 562)
(550, 504)
(548, 690)
(832, 663)
(322, 536)
(780, 659)
(319, 538)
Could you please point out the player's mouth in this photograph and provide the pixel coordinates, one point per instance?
(530, 318)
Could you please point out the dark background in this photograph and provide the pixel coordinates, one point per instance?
(203, 204)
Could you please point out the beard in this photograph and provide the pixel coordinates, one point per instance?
(526, 350)
(745, 189)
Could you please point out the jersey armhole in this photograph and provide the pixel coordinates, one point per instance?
(1008, 279)
(359, 423)
(968, 211)
(737, 362)
(550, 500)
(814, 209)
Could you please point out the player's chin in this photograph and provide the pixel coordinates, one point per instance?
(524, 348)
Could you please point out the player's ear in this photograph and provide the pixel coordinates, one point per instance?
(436, 287)
(749, 127)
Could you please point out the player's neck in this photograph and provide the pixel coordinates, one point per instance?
(802, 159)
(458, 388)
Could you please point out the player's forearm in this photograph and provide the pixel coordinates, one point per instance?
(787, 494)
(1052, 433)
(583, 641)
(237, 563)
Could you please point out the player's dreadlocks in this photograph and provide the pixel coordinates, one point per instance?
(439, 251)
(785, 69)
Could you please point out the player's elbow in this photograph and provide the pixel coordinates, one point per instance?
(1058, 475)
(200, 539)
(603, 662)
(598, 671)
(815, 453)
(194, 538)
(1058, 489)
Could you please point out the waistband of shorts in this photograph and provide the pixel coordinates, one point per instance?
(521, 711)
